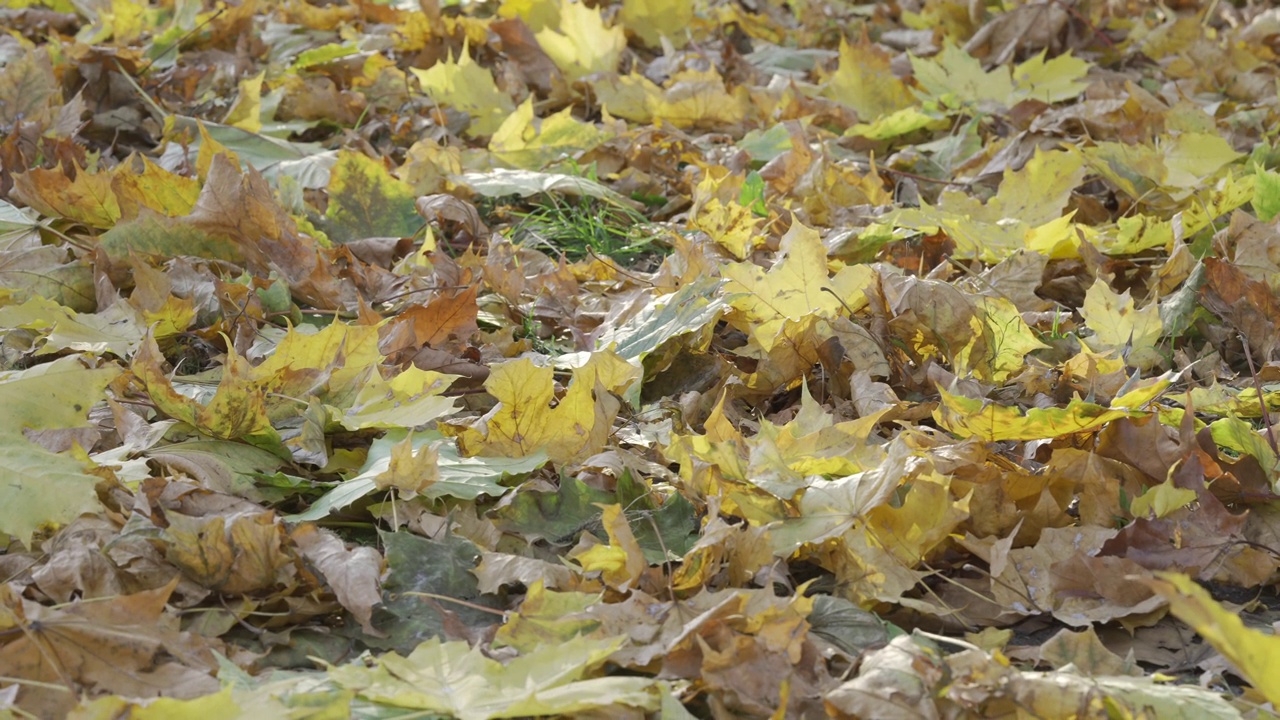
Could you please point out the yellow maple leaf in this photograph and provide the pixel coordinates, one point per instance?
(689, 98)
(237, 410)
(1161, 500)
(1009, 338)
(794, 288)
(864, 81)
(51, 192)
(408, 471)
(973, 417)
(717, 213)
(653, 20)
(527, 143)
(464, 85)
(154, 188)
(582, 44)
(537, 14)
(956, 77)
(333, 363)
(1025, 213)
(915, 526)
(621, 562)
(1118, 325)
(524, 421)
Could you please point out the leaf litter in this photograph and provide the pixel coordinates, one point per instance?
(649, 358)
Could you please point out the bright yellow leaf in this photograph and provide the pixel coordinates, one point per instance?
(717, 212)
(972, 417)
(621, 562)
(246, 112)
(1025, 213)
(1061, 78)
(797, 286)
(1161, 500)
(524, 421)
(338, 359)
(689, 98)
(154, 188)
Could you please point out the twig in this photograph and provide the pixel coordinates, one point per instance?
(177, 43)
(463, 603)
(1262, 401)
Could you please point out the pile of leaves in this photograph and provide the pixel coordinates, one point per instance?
(689, 358)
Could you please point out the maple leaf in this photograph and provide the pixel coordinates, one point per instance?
(524, 422)
(971, 417)
(655, 20)
(1119, 326)
(366, 201)
(468, 87)
(522, 143)
(117, 645)
(865, 82)
(581, 44)
(238, 409)
(797, 287)
(1026, 212)
(459, 680)
(46, 489)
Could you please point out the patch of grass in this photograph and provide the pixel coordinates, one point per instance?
(579, 228)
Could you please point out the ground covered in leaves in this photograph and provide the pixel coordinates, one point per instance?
(678, 358)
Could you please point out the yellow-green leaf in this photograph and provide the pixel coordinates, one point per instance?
(582, 44)
(1254, 653)
(464, 85)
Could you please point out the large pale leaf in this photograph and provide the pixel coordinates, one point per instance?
(462, 477)
(43, 489)
(458, 680)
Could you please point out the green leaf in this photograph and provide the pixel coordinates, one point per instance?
(1266, 194)
(366, 201)
(324, 54)
(556, 517)
(221, 465)
(429, 567)
(152, 234)
(665, 531)
(847, 626)
(752, 194)
(307, 163)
